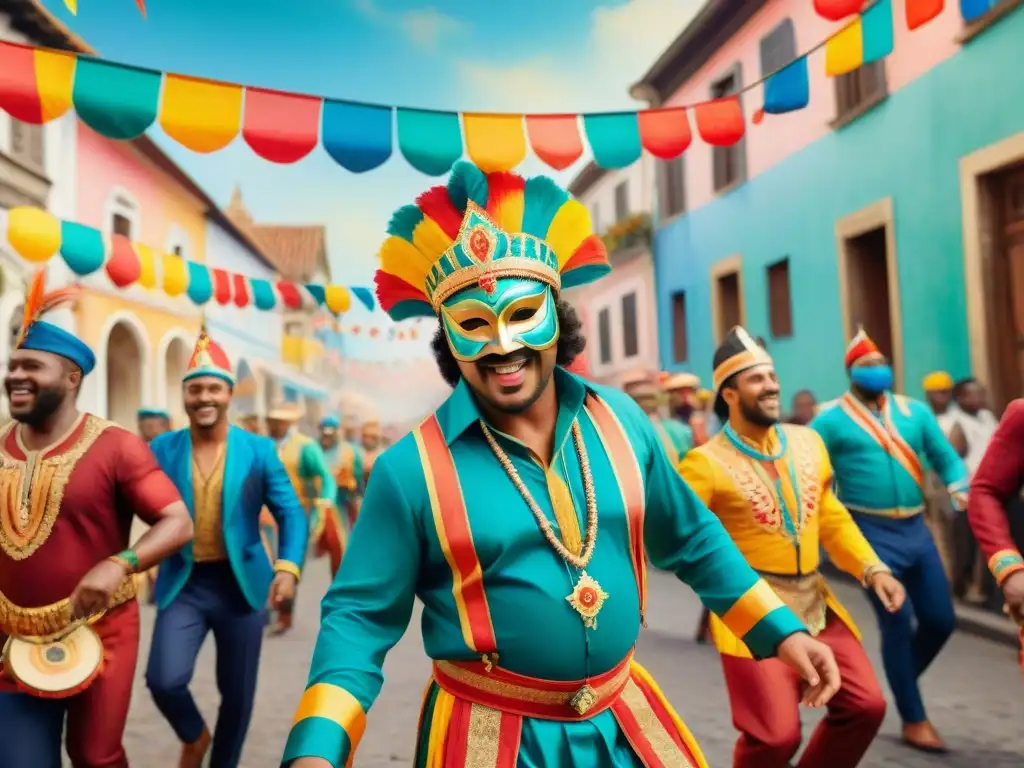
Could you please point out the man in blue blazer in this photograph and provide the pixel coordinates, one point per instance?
(220, 582)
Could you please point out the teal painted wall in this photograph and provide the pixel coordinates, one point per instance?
(908, 149)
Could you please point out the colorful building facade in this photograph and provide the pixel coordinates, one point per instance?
(618, 313)
(895, 200)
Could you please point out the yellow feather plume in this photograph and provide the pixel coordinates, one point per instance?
(430, 239)
(400, 258)
(508, 213)
(570, 227)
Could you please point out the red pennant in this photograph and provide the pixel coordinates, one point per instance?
(123, 267)
(289, 294)
(920, 12)
(240, 290)
(373, 333)
(221, 286)
(665, 133)
(837, 10)
(720, 122)
(280, 127)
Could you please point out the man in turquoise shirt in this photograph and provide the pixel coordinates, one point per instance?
(878, 443)
(521, 514)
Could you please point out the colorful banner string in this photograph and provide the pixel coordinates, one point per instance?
(121, 102)
(37, 236)
(72, 5)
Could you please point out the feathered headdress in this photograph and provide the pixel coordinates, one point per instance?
(478, 229)
(38, 302)
(38, 335)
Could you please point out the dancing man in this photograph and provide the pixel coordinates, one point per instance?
(64, 555)
(771, 486)
(314, 484)
(997, 483)
(222, 582)
(562, 460)
(876, 441)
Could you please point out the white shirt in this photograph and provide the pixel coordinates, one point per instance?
(978, 430)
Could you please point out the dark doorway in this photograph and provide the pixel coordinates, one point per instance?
(867, 287)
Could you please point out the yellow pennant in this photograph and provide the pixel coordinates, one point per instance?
(72, 6)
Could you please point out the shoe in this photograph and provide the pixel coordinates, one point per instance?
(192, 755)
(924, 738)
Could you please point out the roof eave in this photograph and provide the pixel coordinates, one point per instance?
(586, 179)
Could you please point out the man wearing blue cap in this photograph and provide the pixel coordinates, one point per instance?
(64, 553)
(222, 582)
(341, 461)
(152, 422)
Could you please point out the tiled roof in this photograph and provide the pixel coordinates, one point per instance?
(297, 252)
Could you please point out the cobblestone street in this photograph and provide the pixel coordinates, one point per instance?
(975, 693)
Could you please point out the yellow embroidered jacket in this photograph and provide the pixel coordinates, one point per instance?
(777, 536)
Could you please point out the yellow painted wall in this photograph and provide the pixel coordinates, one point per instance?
(95, 309)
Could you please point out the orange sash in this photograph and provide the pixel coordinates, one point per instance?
(885, 434)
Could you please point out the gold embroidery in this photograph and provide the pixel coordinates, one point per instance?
(50, 619)
(483, 738)
(804, 595)
(661, 741)
(39, 484)
(805, 453)
(747, 481)
(500, 688)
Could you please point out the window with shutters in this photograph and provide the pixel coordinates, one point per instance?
(858, 91)
(778, 48)
(123, 215)
(673, 187)
(621, 201)
(679, 345)
(122, 225)
(780, 303)
(729, 163)
(604, 335)
(630, 334)
(27, 145)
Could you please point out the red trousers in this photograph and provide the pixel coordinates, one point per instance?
(765, 698)
(95, 718)
(332, 541)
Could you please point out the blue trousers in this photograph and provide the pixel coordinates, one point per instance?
(912, 637)
(210, 602)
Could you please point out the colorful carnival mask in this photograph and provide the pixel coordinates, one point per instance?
(488, 254)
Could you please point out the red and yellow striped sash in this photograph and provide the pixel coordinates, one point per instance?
(887, 436)
(451, 521)
(630, 479)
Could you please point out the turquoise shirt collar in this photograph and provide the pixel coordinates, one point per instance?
(460, 410)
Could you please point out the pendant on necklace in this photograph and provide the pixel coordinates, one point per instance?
(587, 598)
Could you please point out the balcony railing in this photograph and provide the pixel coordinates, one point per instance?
(631, 231)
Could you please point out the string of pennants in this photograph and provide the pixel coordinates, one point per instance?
(37, 236)
(406, 331)
(119, 101)
(72, 6)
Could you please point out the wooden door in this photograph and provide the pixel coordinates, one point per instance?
(1012, 204)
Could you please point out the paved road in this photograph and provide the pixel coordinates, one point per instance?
(975, 693)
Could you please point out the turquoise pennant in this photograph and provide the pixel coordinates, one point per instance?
(430, 141)
(318, 292)
(365, 296)
(789, 89)
(876, 25)
(356, 136)
(116, 101)
(263, 295)
(82, 248)
(200, 288)
(614, 139)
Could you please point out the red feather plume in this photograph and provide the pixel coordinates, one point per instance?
(437, 206)
(38, 302)
(590, 251)
(500, 185)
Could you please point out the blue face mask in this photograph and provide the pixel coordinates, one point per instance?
(873, 379)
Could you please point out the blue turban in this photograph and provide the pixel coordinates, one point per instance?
(330, 422)
(46, 337)
(153, 413)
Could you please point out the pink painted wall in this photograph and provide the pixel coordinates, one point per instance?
(164, 206)
(779, 136)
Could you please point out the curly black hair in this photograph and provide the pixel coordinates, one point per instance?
(571, 343)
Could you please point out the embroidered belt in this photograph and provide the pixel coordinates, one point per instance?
(51, 619)
(528, 696)
(895, 512)
(804, 594)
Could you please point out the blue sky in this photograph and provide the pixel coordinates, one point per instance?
(527, 55)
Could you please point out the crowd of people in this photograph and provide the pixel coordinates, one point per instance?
(531, 492)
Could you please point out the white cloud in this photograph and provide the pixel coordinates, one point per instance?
(425, 28)
(621, 43)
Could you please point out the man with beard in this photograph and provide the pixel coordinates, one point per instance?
(313, 482)
(771, 486)
(221, 583)
(489, 511)
(76, 482)
(876, 441)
